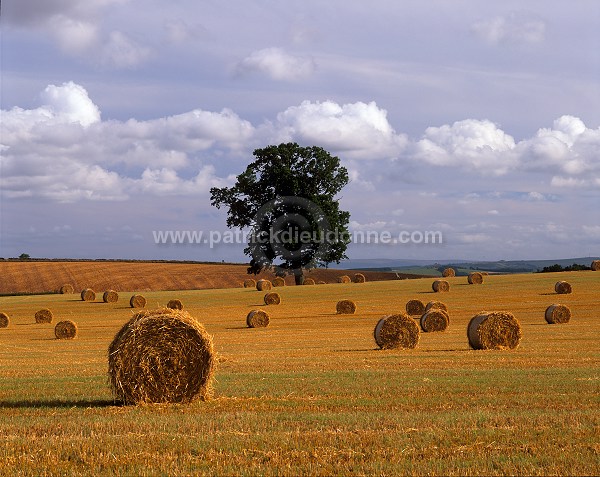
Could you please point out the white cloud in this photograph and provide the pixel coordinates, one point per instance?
(514, 28)
(277, 64)
(120, 51)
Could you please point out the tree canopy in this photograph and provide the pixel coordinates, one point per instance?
(287, 198)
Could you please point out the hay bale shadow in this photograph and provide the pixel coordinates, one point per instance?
(59, 403)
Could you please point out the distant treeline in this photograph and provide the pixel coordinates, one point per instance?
(570, 268)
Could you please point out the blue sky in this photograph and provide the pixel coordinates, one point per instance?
(477, 119)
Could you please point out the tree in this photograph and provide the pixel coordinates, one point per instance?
(287, 198)
(24, 256)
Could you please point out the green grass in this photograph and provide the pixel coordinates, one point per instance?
(310, 395)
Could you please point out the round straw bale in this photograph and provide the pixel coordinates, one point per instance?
(161, 356)
(88, 294)
(272, 298)
(249, 283)
(110, 296)
(435, 320)
(494, 330)
(4, 320)
(321, 282)
(67, 288)
(396, 331)
(309, 281)
(556, 314)
(137, 301)
(440, 286)
(65, 330)
(257, 319)
(278, 282)
(359, 278)
(43, 316)
(562, 287)
(436, 304)
(595, 265)
(175, 304)
(345, 307)
(449, 272)
(475, 278)
(344, 279)
(415, 307)
(263, 285)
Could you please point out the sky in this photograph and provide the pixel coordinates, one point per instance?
(478, 120)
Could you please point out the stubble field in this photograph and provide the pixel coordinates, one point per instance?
(311, 394)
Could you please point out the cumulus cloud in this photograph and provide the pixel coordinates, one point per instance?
(277, 64)
(514, 28)
(120, 51)
(361, 130)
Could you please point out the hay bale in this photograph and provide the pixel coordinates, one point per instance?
(257, 319)
(309, 281)
(345, 307)
(562, 287)
(272, 298)
(344, 279)
(88, 294)
(436, 304)
(4, 320)
(595, 265)
(556, 314)
(396, 331)
(263, 285)
(161, 356)
(137, 301)
(66, 289)
(434, 320)
(415, 307)
(449, 272)
(110, 296)
(494, 330)
(440, 286)
(475, 278)
(321, 282)
(65, 330)
(359, 278)
(175, 304)
(279, 282)
(249, 283)
(43, 316)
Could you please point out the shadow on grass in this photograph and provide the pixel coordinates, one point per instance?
(39, 403)
(238, 328)
(551, 293)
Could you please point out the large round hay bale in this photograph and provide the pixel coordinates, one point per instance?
(440, 286)
(556, 314)
(345, 307)
(175, 304)
(272, 298)
(449, 272)
(321, 282)
(595, 265)
(4, 320)
(309, 281)
(396, 331)
(434, 320)
(359, 278)
(344, 279)
(161, 356)
(257, 319)
(249, 283)
(475, 278)
(137, 301)
(43, 316)
(65, 330)
(263, 285)
(415, 307)
(436, 304)
(87, 294)
(562, 287)
(494, 330)
(278, 282)
(67, 288)
(110, 296)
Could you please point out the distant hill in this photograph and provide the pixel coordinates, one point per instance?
(463, 267)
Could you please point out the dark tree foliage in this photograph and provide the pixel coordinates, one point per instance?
(293, 189)
(569, 268)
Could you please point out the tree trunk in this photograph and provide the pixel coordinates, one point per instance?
(299, 276)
